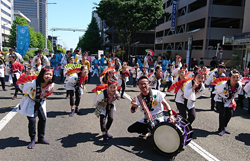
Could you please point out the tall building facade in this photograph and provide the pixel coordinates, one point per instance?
(6, 15)
(210, 19)
(36, 11)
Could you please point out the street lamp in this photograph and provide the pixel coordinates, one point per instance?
(190, 41)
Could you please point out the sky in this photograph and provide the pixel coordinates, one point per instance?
(75, 14)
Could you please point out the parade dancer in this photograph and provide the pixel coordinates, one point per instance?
(186, 96)
(155, 78)
(44, 59)
(74, 86)
(38, 67)
(68, 67)
(135, 73)
(102, 65)
(225, 92)
(168, 77)
(158, 61)
(14, 70)
(33, 103)
(117, 65)
(191, 74)
(107, 77)
(105, 107)
(2, 68)
(247, 92)
(143, 72)
(177, 63)
(216, 74)
(95, 62)
(152, 103)
(242, 93)
(84, 61)
(123, 78)
(64, 61)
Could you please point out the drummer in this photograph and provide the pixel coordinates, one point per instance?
(151, 102)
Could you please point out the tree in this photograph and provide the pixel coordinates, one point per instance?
(49, 45)
(129, 16)
(91, 39)
(12, 37)
(33, 38)
(41, 40)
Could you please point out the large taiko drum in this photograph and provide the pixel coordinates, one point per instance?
(170, 138)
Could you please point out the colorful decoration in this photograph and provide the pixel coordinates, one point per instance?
(244, 80)
(178, 85)
(150, 51)
(25, 79)
(72, 71)
(106, 70)
(102, 87)
(218, 81)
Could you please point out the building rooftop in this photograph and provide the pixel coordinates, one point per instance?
(20, 14)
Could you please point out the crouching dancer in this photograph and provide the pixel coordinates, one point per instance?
(152, 102)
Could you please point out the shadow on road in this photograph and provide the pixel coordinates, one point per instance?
(74, 139)
(203, 133)
(140, 147)
(12, 142)
(85, 111)
(54, 114)
(244, 137)
(5, 109)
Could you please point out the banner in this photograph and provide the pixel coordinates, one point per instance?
(22, 40)
(173, 22)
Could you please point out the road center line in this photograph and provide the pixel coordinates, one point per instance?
(8, 117)
(192, 144)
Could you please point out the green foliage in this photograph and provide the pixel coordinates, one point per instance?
(49, 45)
(129, 16)
(5, 49)
(26, 58)
(41, 42)
(5, 53)
(91, 41)
(63, 50)
(33, 38)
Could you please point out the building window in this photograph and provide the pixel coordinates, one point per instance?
(168, 32)
(197, 5)
(212, 45)
(180, 29)
(169, 46)
(5, 28)
(179, 45)
(182, 11)
(7, 6)
(158, 47)
(161, 20)
(226, 22)
(159, 34)
(228, 3)
(199, 24)
(3, 11)
(5, 20)
(169, 3)
(197, 45)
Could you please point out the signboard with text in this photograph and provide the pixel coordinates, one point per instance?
(174, 9)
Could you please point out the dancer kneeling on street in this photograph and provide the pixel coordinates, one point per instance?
(225, 92)
(151, 102)
(105, 107)
(33, 103)
(74, 85)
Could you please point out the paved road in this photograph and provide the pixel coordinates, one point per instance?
(79, 137)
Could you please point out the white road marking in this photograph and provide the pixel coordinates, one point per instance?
(192, 144)
(8, 117)
(202, 151)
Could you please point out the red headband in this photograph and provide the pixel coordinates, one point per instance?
(246, 70)
(113, 82)
(48, 70)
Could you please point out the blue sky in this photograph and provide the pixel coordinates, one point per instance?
(69, 14)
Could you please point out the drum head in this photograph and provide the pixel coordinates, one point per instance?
(168, 138)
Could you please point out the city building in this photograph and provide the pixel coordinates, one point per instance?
(6, 15)
(241, 42)
(36, 11)
(20, 14)
(53, 39)
(206, 20)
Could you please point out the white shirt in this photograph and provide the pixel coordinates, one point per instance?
(153, 82)
(19, 57)
(2, 70)
(157, 106)
(146, 62)
(141, 74)
(221, 94)
(44, 61)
